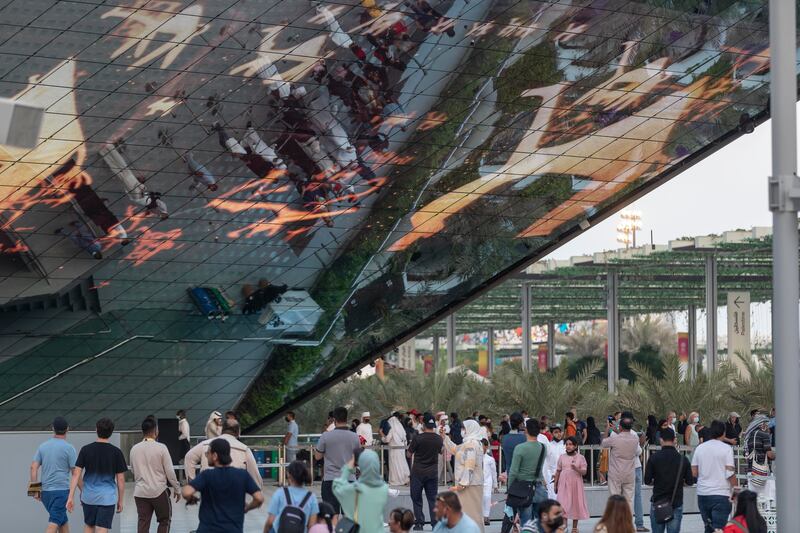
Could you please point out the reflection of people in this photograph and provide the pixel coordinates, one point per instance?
(82, 237)
(200, 174)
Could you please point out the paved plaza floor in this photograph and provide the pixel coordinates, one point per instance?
(184, 519)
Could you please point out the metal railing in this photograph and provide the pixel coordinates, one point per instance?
(277, 454)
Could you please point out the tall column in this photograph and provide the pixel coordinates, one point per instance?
(612, 295)
(711, 314)
(451, 341)
(692, 366)
(551, 345)
(526, 327)
(490, 349)
(786, 289)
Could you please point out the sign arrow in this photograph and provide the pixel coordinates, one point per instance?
(737, 301)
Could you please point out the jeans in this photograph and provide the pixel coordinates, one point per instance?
(328, 496)
(638, 511)
(526, 513)
(673, 526)
(715, 511)
(430, 485)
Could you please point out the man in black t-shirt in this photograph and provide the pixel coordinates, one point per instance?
(425, 448)
(733, 429)
(224, 490)
(103, 468)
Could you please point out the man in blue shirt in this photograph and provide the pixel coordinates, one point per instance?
(55, 459)
(450, 518)
(103, 467)
(223, 489)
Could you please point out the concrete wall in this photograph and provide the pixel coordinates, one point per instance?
(19, 512)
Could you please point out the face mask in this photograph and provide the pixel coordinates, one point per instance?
(556, 523)
(696, 419)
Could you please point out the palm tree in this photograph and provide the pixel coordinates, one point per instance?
(648, 331)
(708, 395)
(551, 393)
(753, 389)
(584, 341)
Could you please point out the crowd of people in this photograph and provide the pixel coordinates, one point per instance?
(541, 464)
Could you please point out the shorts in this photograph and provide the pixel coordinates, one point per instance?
(55, 501)
(98, 515)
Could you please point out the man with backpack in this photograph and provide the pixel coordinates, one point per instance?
(293, 507)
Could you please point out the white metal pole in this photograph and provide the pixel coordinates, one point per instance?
(612, 294)
(551, 345)
(786, 288)
(526, 327)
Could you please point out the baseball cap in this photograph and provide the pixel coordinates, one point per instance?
(429, 421)
(60, 424)
(734, 414)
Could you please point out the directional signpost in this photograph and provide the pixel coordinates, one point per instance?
(738, 327)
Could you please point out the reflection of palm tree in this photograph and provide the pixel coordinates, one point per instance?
(648, 331)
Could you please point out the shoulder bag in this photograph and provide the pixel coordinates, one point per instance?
(758, 471)
(520, 492)
(663, 511)
(345, 524)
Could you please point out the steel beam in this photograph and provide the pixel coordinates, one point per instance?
(551, 345)
(784, 189)
(525, 320)
(711, 314)
(612, 304)
(451, 341)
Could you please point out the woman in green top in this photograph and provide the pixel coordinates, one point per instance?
(363, 502)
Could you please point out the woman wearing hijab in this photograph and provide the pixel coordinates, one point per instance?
(214, 425)
(758, 449)
(363, 502)
(469, 470)
(593, 438)
(397, 441)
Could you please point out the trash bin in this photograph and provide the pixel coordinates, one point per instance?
(261, 458)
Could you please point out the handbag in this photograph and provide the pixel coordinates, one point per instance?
(664, 511)
(758, 471)
(521, 493)
(35, 489)
(345, 524)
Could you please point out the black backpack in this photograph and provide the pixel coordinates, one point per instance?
(293, 519)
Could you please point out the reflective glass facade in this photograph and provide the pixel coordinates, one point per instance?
(312, 182)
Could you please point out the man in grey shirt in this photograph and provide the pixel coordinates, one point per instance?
(336, 447)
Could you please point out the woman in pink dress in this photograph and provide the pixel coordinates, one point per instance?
(569, 483)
